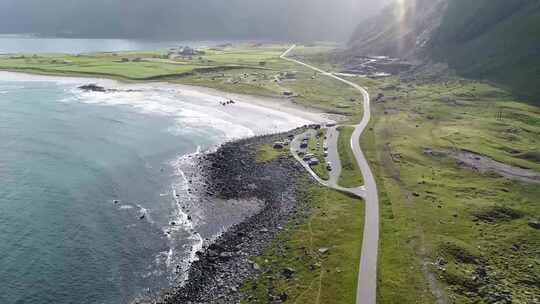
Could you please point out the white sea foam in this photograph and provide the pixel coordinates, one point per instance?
(183, 222)
(191, 108)
(195, 111)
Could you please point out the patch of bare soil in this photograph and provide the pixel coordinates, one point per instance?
(485, 164)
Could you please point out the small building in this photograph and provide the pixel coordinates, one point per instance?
(186, 51)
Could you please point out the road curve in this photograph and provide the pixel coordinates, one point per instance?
(332, 182)
(366, 292)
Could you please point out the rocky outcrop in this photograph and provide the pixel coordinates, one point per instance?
(92, 88)
(232, 172)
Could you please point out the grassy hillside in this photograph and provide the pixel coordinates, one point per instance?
(351, 176)
(321, 249)
(498, 40)
(450, 233)
(144, 65)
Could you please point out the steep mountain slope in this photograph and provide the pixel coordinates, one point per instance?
(497, 40)
(401, 30)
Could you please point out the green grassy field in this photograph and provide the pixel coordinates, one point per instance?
(351, 176)
(267, 153)
(448, 231)
(316, 147)
(315, 260)
(450, 234)
(144, 65)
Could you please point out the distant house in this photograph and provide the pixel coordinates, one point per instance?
(187, 51)
(58, 61)
(184, 52)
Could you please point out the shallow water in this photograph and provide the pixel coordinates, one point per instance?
(66, 156)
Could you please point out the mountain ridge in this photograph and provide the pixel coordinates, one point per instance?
(494, 40)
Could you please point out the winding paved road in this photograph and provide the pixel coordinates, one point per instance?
(367, 276)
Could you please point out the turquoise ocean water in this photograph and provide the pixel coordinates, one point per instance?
(62, 165)
(91, 182)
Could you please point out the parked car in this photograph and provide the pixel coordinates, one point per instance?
(314, 161)
(308, 156)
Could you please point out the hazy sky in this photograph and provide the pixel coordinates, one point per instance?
(193, 19)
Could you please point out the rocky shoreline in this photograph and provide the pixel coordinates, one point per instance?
(232, 172)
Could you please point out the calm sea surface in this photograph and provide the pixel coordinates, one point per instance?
(63, 162)
(32, 44)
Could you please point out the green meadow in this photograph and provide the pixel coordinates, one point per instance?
(450, 232)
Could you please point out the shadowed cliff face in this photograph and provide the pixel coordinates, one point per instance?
(182, 19)
(401, 30)
(497, 40)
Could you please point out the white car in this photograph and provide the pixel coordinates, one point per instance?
(308, 156)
